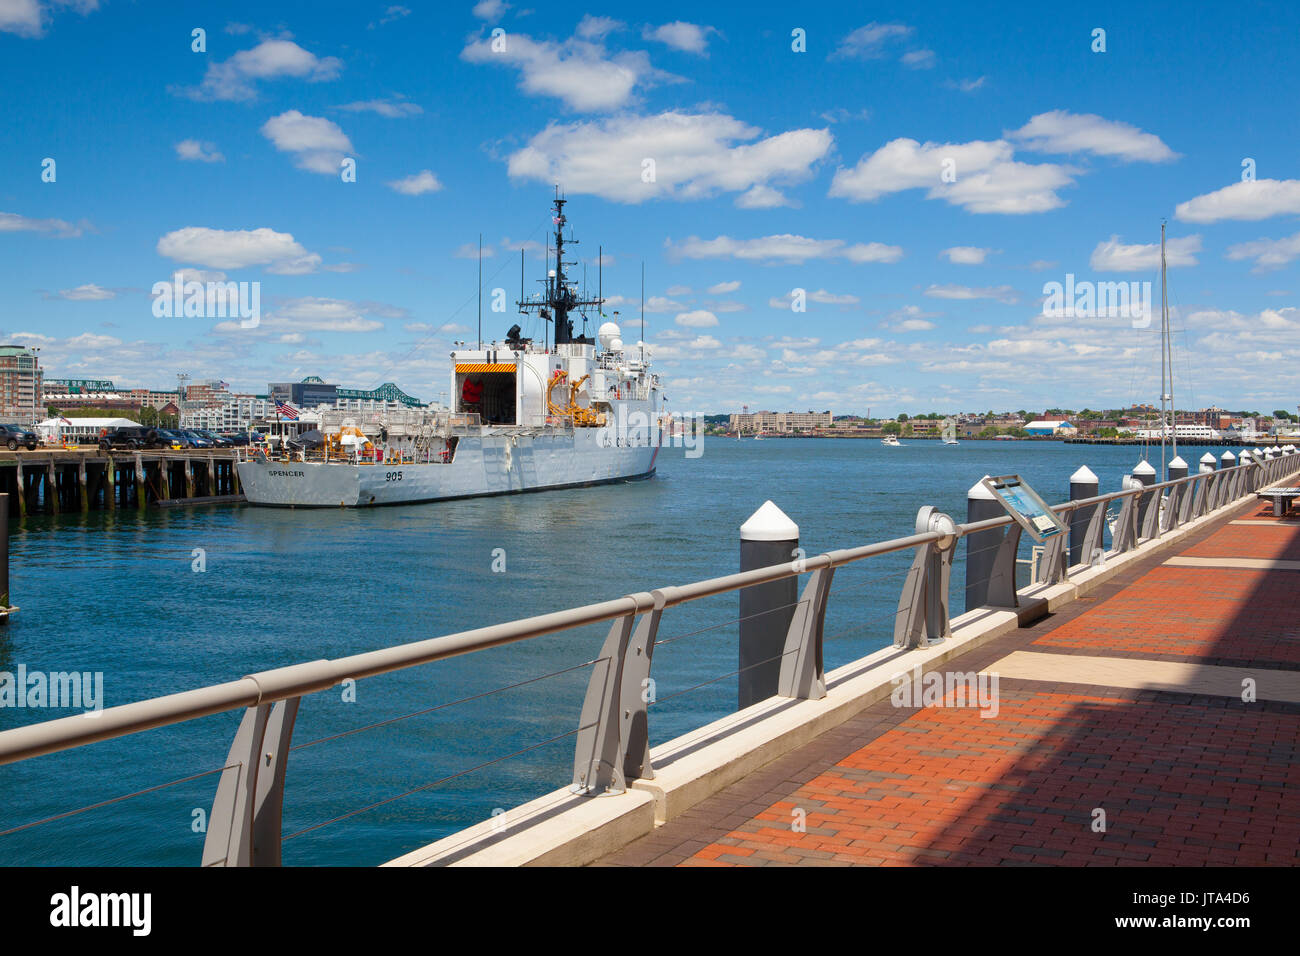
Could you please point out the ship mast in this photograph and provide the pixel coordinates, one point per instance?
(560, 298)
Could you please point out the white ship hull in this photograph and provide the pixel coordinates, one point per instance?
(497, 463)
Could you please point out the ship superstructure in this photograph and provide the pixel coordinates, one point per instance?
(523, 416)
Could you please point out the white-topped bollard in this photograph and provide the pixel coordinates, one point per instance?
(1177, 468)
(1144, 474)
(1083, 484)
(1207, 463)
(1227, 460)
(769, 537)
(981, 546)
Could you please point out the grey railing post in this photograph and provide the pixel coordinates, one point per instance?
(1124, 537)
(803, 675)
(1178, 468)
(598, 756)
(923, 616)
(244, 825)
(1145, 475)
(1208, 484)
(636, 695)
(981, 546)
(1083, 484)
(769, 537)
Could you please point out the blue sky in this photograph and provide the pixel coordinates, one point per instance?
(775, 170)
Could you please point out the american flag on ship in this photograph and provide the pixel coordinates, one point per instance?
(285, 410)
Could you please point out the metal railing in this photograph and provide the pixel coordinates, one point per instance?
(613, 746)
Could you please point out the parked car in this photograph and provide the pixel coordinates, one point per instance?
(131, 436)
(196, 438)
(14, 435)
(217, 440)
(244, 439)
(173, 438)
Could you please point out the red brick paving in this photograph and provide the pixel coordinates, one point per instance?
(1182, 779)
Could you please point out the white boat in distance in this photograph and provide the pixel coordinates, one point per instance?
(891, 441)
(576, 412)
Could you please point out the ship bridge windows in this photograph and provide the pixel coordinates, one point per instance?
(488, 389)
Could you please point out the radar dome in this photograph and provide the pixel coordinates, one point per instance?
(607, 333)
(616, 345)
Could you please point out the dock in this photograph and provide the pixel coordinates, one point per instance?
(1122, 737)
(85, 478)
(1137, 703)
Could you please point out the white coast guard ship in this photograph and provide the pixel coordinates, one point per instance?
(525, 417)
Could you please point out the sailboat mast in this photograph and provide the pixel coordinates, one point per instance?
(1164, 337)
(1169, 341)
(480, 290)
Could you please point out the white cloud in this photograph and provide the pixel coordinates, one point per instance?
(697, 319)
(687, 37)
(236, 78)
(1061, 131)
(389, 108)
(29, 18)
(784, 248)
(597, 28)
(582, 73)
(192, 149)
(312, 314)
(87, 293)
(820, 296)
(918, 59)
(987, 179)
(1259, 199)
(762, 197)
(490, 10)
(394, 13)
(968, 255)
(470, 251)
(678, 290)
(1002, 293)
(417, 184)
(12, 222)
(231, 249)
(722, 288)
(318, 144)
(695, 156)
(1113, 256)
(657, 303)
(969, 86)
(868, 42)
(913, 325)
(1267, 253)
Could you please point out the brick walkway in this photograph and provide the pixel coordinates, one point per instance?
(1181, 777)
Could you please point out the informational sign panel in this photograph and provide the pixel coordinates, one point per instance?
(1023, 504)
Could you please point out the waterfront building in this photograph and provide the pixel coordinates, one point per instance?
(1044, 427)
(21, 385)
(780, 423)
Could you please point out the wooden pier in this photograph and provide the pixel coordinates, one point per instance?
(61, 480)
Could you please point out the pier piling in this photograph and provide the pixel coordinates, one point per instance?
(5, 603)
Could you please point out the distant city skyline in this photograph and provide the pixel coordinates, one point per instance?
(836, 208)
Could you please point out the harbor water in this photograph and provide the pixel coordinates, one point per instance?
(167, 600)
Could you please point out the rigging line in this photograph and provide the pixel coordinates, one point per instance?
(430, 336)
